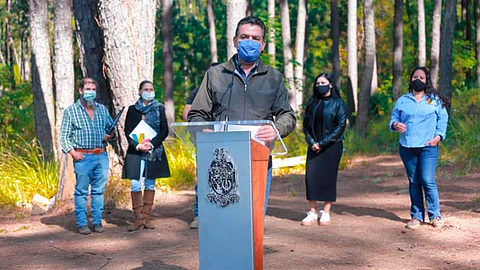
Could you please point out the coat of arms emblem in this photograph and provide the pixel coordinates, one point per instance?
(222, 179)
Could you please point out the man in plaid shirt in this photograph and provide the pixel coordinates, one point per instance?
(83, 136)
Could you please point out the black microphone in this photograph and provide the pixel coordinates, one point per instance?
(230, 88)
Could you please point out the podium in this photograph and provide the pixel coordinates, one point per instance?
(231, 171)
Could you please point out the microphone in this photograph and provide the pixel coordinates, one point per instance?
(230, 88)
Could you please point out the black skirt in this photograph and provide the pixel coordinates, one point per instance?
(321, 173)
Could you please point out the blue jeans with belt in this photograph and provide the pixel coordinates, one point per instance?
(420, 164)
(91, 171)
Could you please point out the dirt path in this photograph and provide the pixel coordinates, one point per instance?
(367, 229)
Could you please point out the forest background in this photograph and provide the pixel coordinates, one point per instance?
(369, 46)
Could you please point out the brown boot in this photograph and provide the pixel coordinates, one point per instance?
(137, 205)
(148, 198)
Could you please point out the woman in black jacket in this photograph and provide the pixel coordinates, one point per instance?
(145, 158)
(324, 122)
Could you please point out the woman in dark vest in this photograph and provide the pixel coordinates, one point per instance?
(145, 158)
(324, 122)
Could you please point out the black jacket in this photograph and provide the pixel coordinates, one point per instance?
(263, 97)
(131, 167)
(334, 121)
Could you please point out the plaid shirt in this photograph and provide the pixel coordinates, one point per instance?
(79, 131)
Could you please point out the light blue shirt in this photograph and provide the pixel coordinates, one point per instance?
(424, 119)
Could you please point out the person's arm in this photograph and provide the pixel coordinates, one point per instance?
(66, 132)
(442, 121)
(201, 109)
(395, 117)
(285, 119)
(108, 123)
(307, 118)
(336, 134)
(185, 112)
(129, 126)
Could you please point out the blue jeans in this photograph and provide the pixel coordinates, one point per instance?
(90, 171)
(267, 190)
(420, 164)
(136, 184)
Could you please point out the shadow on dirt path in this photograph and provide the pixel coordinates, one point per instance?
(367, 229)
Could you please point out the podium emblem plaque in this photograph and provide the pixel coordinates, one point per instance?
(222, 179)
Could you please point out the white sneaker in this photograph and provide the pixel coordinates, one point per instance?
(310, 219)
(324, 218)
(195, 223)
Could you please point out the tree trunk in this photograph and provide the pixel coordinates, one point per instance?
(287, 54)
(397, 49)
(64, 85)
(212, 32)
(466, 19)
(435, 50)
(42, 77)
(128, 39)
(368, 67)
(477, 38)
(352, 53)
(446, 61)
(271, 33)
(9, 46)
(90, 44)
(236, 10)
(422, 41)
(335, 33)
(26, 57)
(167, 36)
(299, 51)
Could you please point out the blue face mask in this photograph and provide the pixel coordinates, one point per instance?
(248, 50)
(89, 95)
(148, 96)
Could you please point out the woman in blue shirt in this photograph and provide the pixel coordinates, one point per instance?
(421, 119)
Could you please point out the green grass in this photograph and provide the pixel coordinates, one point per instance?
(182, 166)
(24, 172)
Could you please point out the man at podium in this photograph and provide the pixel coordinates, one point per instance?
(244, 88)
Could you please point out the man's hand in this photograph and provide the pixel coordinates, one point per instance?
(400, 127)
(266, 133)
(434, 142)
(316, 148)
(75, 155)
(107, 137)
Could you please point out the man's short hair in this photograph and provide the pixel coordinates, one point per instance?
(251, 20)
(87, 80)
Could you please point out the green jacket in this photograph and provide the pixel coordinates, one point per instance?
(263, 97)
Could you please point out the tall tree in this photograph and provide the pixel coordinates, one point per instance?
(271, 33)
(397, 49)
(212, 32)
(167, 14)
(127, 45)
(90, 43)
(287, 53)
(422, 41)
(477, 38)
(299, 51)
(352, 53)
(42, 77)
(466, 19)
(236, 10)
(446, 47)
(335, 34)
(435, 49)
(368, 66)
(64, 86)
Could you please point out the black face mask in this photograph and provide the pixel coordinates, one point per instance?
(322, 89)
(418, 85)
